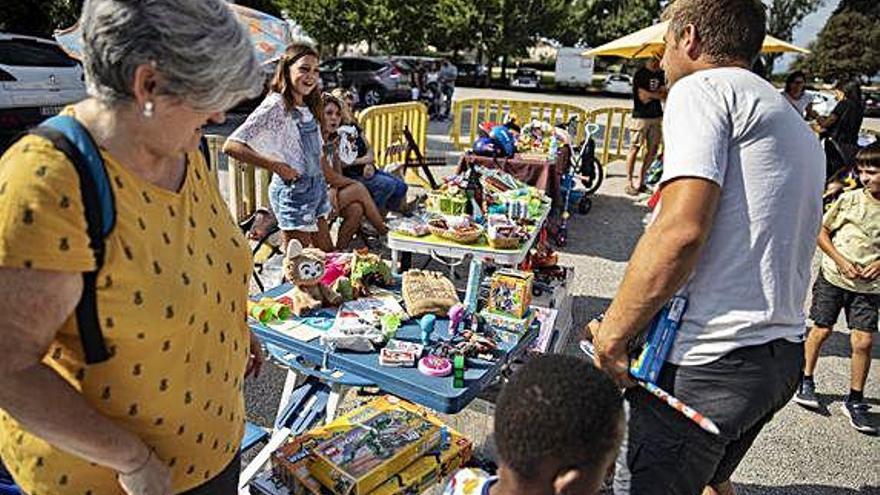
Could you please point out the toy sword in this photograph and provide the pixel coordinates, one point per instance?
(669, 399)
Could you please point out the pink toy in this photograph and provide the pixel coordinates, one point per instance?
(435, 366)
(336, 267)
(456, 315)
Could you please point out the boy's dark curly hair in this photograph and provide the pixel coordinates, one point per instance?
(553, 407)
(869, 156)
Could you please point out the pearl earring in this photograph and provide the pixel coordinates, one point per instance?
(148, 109)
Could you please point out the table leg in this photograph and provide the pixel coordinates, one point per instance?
(395, 260)
(290, 382)
(337, 391)
(277, 440)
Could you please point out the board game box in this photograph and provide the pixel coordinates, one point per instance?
(362, 450)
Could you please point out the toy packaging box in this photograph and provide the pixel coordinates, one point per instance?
(383, 444)
(510, 292)
(431, 469)
(501, 322)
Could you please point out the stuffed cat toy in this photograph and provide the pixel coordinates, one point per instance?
(304, 269)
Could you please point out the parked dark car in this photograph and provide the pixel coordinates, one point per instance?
(872, 103)
(376, 81)
(472, 74)
(526, 78)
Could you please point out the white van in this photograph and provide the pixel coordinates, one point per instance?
(573, 70)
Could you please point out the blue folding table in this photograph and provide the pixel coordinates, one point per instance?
(325, 382)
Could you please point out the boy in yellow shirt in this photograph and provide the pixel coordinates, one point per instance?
(849, 280)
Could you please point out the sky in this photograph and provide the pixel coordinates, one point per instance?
(808, 29)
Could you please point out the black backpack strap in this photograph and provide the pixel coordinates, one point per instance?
(98, 205)
(205, 150)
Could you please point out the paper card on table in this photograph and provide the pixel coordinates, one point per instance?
(547, 317)
(296, 329)
(371, 309)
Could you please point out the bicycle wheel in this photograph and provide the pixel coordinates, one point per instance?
(596, 177)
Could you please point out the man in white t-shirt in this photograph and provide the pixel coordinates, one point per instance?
(735, 232)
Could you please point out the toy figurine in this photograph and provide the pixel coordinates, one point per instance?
(304, 268)
(427, 324)
(368, 269)
(456, 317)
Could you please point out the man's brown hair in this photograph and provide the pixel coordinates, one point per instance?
(282, 84)
(729, 30)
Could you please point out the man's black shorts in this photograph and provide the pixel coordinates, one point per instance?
(829, 299)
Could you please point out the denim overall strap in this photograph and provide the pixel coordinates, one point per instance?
(310, 138)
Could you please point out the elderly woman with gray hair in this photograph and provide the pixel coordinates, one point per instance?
(164, 413)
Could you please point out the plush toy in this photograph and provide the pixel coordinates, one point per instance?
(368, 269)
(304, 269)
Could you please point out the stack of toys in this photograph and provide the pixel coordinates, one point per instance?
(508, 312)
(539, 139)
(480, 202)
(386, 447)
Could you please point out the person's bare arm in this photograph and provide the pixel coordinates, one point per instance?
(34, 304)
(846, 267)
(826, 122)
(242, 152)
(333, 176)
(369, 157)
(663, 259)
(647, 96)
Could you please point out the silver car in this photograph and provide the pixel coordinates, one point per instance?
(376, 81)
(37, 79)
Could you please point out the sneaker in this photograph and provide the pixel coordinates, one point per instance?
(858, 417)
(806, 395)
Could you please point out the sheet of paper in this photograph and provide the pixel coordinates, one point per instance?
(296, 329)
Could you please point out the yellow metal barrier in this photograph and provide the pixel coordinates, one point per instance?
(612, 142)
(243, 187)
(383, 127)
(469, 112)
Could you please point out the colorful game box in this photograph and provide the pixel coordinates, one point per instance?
(361, 450)
(297, 467)
(506, 323)
(431, 469)
(510, 292)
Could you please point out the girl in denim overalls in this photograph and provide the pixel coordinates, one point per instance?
(284, 135)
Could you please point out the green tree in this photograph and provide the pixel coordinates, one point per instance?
(594, 22)
(459, 25)
(847, 47)
(330, 22)
(783, 16)
(404, 25)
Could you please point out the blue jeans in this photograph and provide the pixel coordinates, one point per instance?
(388, 191)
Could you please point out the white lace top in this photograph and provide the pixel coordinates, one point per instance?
(273, 131)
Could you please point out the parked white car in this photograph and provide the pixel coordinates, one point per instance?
(37, 79)
(618, 84)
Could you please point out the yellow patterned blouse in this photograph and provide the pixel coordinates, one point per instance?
(171, 299)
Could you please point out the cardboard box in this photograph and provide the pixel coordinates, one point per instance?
(295, 462)
(510, 292)
(506, 323)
